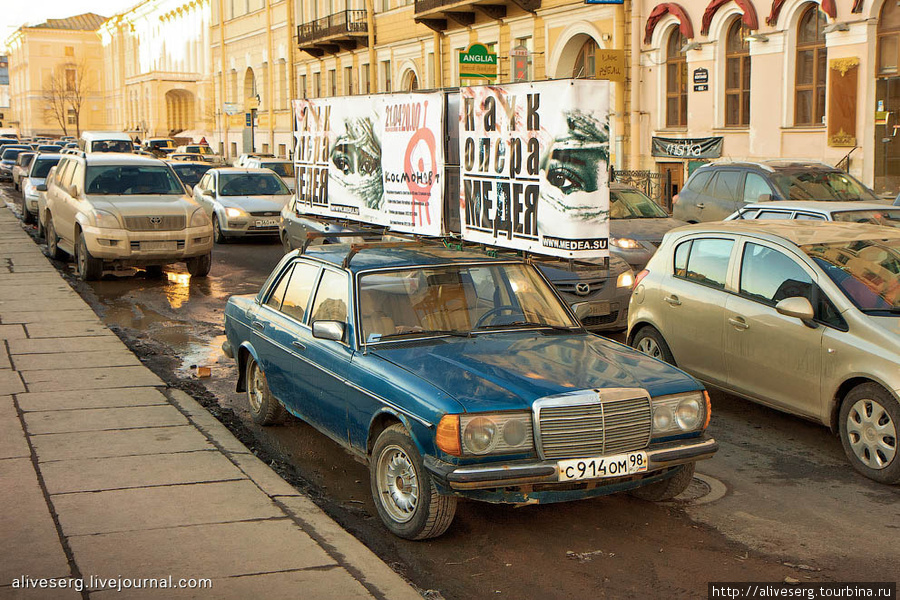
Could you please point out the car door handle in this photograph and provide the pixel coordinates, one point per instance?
(298, 345)
(259, 325)
(700, 205)
(738, 323)
(673, 300)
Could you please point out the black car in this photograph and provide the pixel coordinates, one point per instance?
(189, 172)
(717, 190)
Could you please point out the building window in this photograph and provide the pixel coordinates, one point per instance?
(737, 76)
(70, 80)
(812, 67)
(889, 39)
(332, 82)
(303, 86)
(586, 61)
(366, 79)
(386, 68)
(348, 81)
(676, 81)
(234, 149)
(265, 148)
(282, 150)
(317, 85)
(71, 117)
(70, 50)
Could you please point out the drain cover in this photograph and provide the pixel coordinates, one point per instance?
(696, 490)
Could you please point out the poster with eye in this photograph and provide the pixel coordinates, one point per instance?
(535, 167)
(373, 159)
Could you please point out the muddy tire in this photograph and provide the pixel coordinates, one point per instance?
(668, 488)
(869, 423)
(89, 268)
(264, 407)
(651, 342)
(53, 242)
(199, 266)
(218, 235)
(404, 494)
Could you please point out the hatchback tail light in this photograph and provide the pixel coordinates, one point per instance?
(640, 276)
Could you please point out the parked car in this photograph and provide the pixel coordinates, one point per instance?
(49, 148)
(105, 141)
(597, 293)
(242, 202)
(195, 149)
(8, 159)
(128, 210)
(189, 172)
(37, 174)
(636, 225)
(211, 159)
(454, 374)
(716, 190)
(803, 317)
(20, 167)
(281, 167)
(243, 158)
(848, 212)
(158, 147)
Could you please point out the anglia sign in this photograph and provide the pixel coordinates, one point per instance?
(477, 63)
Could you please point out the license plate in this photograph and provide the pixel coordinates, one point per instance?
(159, 246)
(617, 465)
(266, 223)
(598, 309)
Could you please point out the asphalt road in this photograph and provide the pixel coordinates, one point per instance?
(778, 501)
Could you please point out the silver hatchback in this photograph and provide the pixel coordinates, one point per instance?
(803, 317)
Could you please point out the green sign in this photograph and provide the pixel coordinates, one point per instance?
(477, 63)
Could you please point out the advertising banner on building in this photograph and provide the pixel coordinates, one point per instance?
(710, 147)
(535, 166)
(375, 159)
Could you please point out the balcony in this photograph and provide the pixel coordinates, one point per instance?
(440, 15)
(345, 30)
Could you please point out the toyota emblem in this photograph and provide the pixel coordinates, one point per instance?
(582, 289)
(156, 221)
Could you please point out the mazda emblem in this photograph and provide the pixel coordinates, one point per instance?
(582, 289)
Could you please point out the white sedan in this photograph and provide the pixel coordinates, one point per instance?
(848, 212)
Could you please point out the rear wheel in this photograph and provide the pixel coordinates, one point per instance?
(404, 493)
(869, 423)
(89, 268)
(199, 266)
(219, 235)
(53, 242)
(667, 489)
(264, 407)
(651, 342)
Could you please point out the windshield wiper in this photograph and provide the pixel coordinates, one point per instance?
(520, 324)
(450, 332)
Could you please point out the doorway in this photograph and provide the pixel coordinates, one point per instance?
(672, 177)
(887, 135)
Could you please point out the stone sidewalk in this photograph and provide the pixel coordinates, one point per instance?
(106, 473)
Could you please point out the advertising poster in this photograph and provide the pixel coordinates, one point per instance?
(535, 167)
(374, 159)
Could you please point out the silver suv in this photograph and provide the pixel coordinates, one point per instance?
(123, 209)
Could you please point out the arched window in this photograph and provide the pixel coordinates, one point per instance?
(410, 81)
(586, 62)
(889, 39)
(737, 76)
(676, 81)
(812, 67)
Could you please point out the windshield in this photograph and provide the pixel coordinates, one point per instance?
(251, 184)
(42, 167)
(887, 217)
(285, 169)
(191, 174)
(456, 300)
(632, 204)
(821, 185)
(112, 146)
(131, 180)
(11, 153)
(867, 271)
(162, 144)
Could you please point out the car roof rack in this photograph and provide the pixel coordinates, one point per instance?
(357, 248)
(316, 235)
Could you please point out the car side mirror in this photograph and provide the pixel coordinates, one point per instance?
(208, 193)
(42, 187)
(797, 307)
(328, 330)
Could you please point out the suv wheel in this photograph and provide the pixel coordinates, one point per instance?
(199, 266)
(869, 425)
(89, 268)
(53, 242)
(217, 231)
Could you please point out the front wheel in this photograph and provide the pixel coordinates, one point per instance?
(651, 342)
(403, 491)
(218, 234)
(668, 488)
(199, 266)
(869, 420)
(27, 217)
(89, 268)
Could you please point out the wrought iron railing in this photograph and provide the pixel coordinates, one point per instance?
(656, 185)
(346, 21)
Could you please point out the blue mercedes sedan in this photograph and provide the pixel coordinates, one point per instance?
(458, 375)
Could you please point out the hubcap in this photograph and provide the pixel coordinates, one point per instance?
(872, 434)
(398, 484)
(649, 347)
(256, 387)
(82, 260)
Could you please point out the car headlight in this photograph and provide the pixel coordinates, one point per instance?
(234, 213)
(500, 433)
(680, 413)
(199, 219)
(625, 243)
(105, 220)
(29, 190)
(625, 280)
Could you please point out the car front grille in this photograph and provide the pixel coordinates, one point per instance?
(265, 213)
(601, 320)
(154, 223)
(571, 287)
(605, 426)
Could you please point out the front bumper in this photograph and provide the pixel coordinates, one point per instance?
(147, 247)
(473, 480)
(251, 225)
